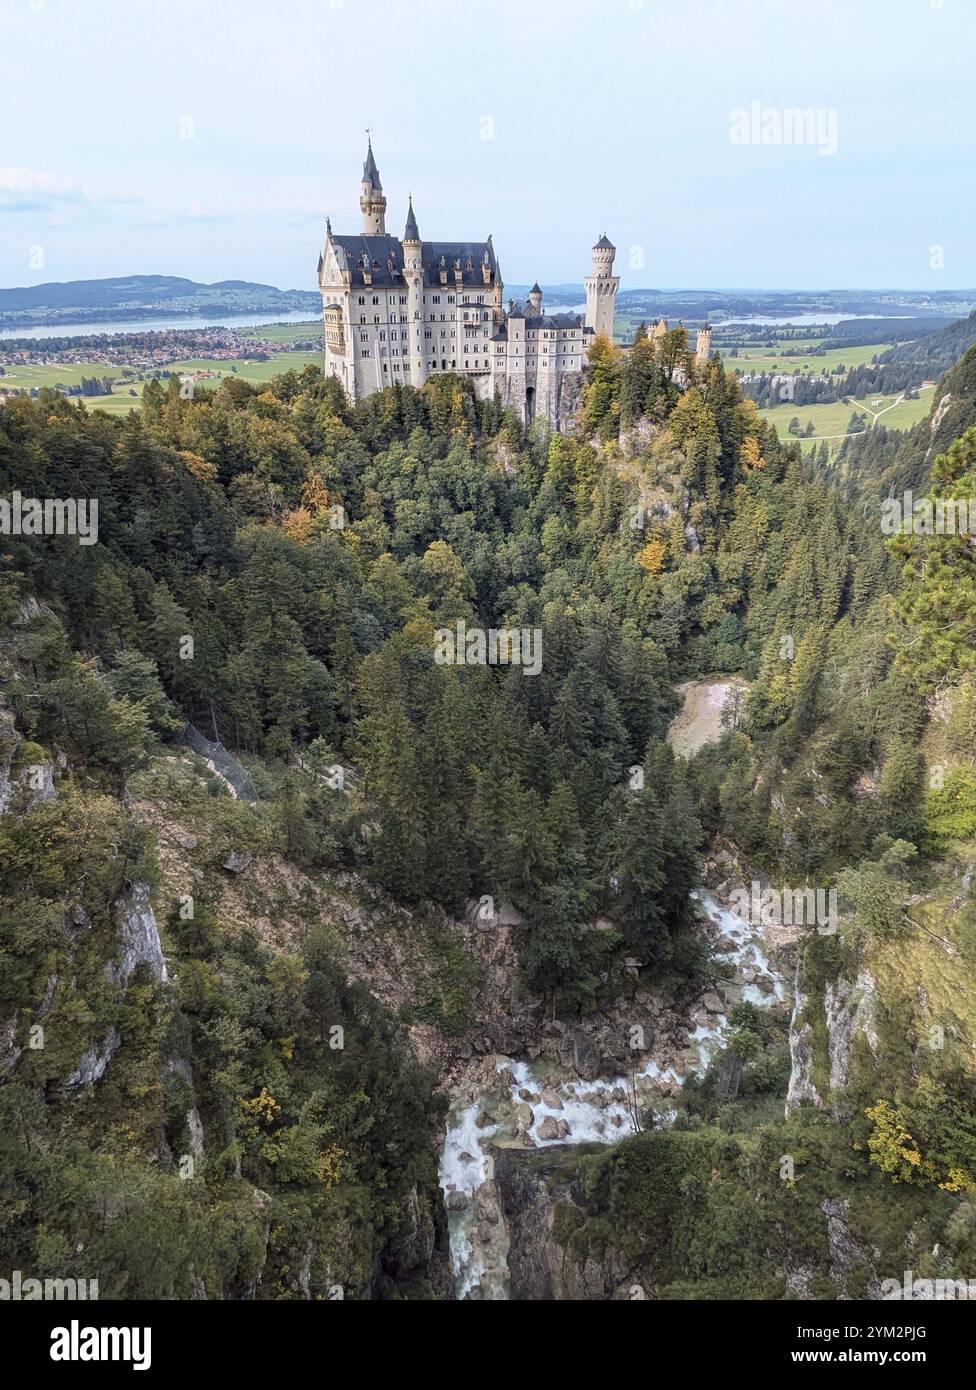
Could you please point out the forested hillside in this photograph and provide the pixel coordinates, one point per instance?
(274, 566)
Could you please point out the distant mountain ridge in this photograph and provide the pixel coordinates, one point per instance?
(145, 295)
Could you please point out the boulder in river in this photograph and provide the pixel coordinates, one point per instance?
(524, 1116)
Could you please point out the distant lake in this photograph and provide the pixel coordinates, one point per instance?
(801, 320)
(87, 330)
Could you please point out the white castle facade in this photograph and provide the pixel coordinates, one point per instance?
(399, 311)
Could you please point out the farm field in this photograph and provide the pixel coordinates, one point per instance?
(246, 370)
(54, 374)
(830, 420)
(767, 359)
(27, 378)
(286, 332)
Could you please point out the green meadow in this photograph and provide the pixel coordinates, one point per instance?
(287, 332)
(768, 359)
(830, 420)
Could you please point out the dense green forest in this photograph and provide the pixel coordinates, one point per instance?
(273, 565)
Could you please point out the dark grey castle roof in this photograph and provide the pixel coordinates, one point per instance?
(446, 255)
(534, 320)
(604, 244)
(411, 232)
(384, 260)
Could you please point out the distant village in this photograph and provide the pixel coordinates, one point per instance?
(135, 356)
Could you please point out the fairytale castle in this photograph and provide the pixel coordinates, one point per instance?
(401, 310)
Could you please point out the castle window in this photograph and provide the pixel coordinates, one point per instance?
(364, 337)
(376, 299)
(362, 318)
(364, 352)
(362, 299)
(435, 299)
(450, 299)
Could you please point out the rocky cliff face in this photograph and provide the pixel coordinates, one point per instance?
(835, 1014)
(534, 1186)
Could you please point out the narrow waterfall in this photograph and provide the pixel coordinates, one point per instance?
(530, 1105)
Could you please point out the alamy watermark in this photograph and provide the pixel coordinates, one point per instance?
(50, 516)
(786, 907)
(909, 515)
(17, 1289)
(756, 124)
(926, 1290)
(476, 646)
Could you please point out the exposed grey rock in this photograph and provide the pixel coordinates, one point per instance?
(140, 939)
(850, 1009)
(238, 860)
(40, 783)
(195, 1126)
(801, 1088)
(846, 1256)
(9, 739)
(586, 1059)
(92, 1066)
(524, 1116)
(9, 1051)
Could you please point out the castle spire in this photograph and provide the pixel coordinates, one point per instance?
(411, 232)
(371, 174)
(372, 200)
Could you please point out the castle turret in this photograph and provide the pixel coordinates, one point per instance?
(703, 345)
(535, 299)
(413, 274)
(372, 199)
(601, 289)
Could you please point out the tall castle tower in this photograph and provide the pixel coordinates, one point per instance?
(703, 345)
(413, 274)
(372, 200)
(601, 289)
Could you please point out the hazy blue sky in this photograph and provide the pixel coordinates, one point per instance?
(607, 114)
